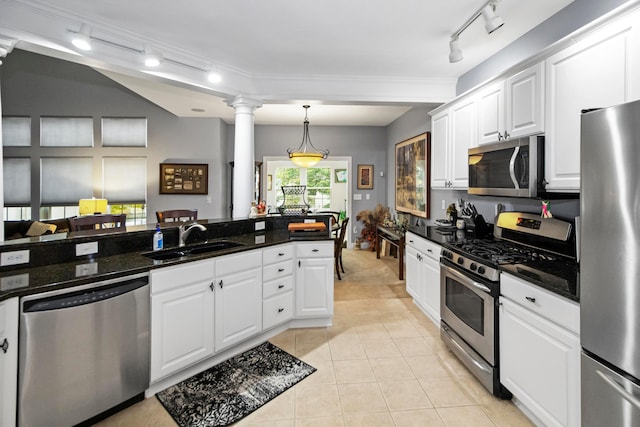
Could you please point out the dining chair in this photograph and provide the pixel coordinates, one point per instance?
(177, 215)
(337, 248)
(106, 222)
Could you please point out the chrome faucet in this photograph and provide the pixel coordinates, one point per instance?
(185, 229)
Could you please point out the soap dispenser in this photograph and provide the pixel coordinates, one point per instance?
(157, 239)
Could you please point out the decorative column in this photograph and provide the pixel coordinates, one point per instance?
(243, 155)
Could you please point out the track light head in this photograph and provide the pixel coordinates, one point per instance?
(455, 54)
(82, 39)
(491, 21)
(151, 57)
(214, 77)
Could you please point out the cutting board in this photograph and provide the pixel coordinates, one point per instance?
(311, 226)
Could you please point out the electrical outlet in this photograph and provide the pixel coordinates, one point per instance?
(88, 269)
(14, 282)
(259, 226)
(357, 197)
(14, 257)
(86, 248)
(444, 204)
(355, 228)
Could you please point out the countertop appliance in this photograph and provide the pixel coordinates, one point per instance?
(512, 168)
(83, 351)
(609, 268)
(470, 284)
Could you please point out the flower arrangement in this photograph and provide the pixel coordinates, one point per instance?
(371, 219)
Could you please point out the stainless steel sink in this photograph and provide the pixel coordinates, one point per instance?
(203, 248)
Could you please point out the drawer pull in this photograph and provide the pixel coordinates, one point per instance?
(220, 284)
(280, 254)
(280, 310)
(280, 270)
(5, 345)
(430, 251)
(280, 286)
(315, 250)
(530, 299)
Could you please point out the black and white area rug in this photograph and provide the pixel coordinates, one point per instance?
(234, 388)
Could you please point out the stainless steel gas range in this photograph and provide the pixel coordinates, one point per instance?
(470, 284)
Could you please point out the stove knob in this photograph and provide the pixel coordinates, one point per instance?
(473, 266)
(481, 270)
(447, 254)
(460, 260)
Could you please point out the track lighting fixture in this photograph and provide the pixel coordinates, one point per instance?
(151, 57)
(214, 77)
(82, 39)
(491, 23)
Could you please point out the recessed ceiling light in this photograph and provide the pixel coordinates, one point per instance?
(198, 110)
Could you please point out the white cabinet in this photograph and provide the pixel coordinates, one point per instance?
(599, 71)
(540, 351)
(423, 274)
(453, 131)
(8, 361)
(238, 298)
(277, 287)
(182, 303)
(314, 279)
(513, 107)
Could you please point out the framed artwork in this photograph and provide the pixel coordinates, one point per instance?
(365, 177)
(413, 175)
(184, 178)
(340, 175)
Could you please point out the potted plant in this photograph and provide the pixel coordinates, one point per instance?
(371, 219)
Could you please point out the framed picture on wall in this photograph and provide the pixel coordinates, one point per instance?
(184, 178)
(340, 176)
(413, 175)
(365, 177)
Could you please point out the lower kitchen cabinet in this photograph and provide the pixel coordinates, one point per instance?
(314, 279)
(423, 274)
(238, 298)
(8, 361)
(540, 351)
(182, 319)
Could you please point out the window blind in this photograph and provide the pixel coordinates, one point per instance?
(16, 131)
(124, 179)
(17, 181)
(66, 180)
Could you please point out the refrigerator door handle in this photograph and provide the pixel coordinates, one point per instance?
(629, 397)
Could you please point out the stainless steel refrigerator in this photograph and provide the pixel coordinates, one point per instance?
(610, 266)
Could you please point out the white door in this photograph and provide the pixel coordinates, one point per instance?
(181, 327)
(525, 102)
(314, 287)
(491, 114)
(431, 280)
(238, 313)
(464, 135)
(439, 150)
(413, 277)
(8, 361)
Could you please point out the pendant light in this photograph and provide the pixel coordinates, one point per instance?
(306, 155)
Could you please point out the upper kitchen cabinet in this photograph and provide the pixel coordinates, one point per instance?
(597, 71)
(453, 132)
(512, 107)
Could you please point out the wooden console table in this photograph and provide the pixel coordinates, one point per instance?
(395, 237)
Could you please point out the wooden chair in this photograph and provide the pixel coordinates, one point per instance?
(177, 215)
(337, 248)
(106, 222)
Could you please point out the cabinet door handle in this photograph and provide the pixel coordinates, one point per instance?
(299, 264)
(5, 345)
(211, 286)
(506, 134)
(220, 283)
(280, 270)
(530, 299)
(280, 310)
(500, 136)
(280, 286)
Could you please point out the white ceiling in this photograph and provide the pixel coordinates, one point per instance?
(357, 62)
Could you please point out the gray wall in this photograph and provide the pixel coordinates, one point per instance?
(567, 20)
(35, 85)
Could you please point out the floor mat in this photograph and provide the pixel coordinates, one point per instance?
(235, 388)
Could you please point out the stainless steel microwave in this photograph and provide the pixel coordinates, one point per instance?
(512, 168)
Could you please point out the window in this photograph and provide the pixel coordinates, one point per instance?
(66, 132)
(16, 131)
(319, 188)
(124, 132)
(286, 176)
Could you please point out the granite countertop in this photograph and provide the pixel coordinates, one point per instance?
(559, 277)
(26, 281)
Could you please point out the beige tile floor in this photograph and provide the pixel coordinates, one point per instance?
(381, 364)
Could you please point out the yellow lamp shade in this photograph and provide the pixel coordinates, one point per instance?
(92, 206)
(305, 160)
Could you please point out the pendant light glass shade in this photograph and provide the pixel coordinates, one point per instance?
(306, 155)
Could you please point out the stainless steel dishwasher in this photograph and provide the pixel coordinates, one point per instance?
(83, 351)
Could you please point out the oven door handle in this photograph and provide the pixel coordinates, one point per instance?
(470, 356)
(512, 168)
(465, 279)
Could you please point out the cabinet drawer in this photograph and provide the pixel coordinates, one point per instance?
(278, 286)
(240, 262)
(315, 250)
(548, 305)
(277, 253)
(275, 271)
(427, 247)
(169, 278)
(277, 309)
